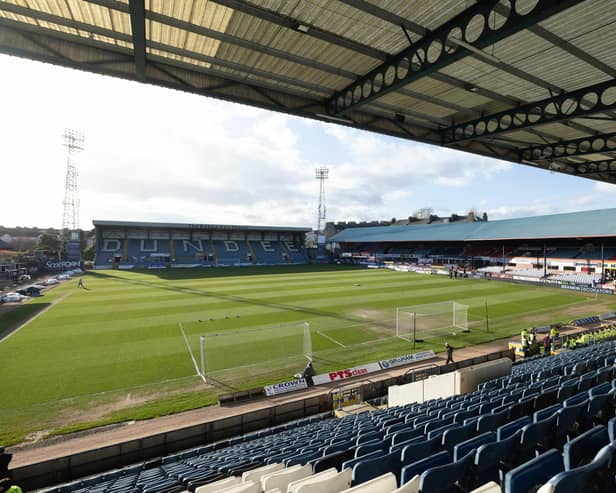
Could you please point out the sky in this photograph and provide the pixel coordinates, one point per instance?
(154, 154)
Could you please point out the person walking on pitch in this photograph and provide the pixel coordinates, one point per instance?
(449, 349)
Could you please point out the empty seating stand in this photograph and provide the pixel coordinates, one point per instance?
(550, 424)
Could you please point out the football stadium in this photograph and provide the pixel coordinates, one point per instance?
(430, 355)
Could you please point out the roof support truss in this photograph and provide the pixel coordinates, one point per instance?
(443, 46)
(586, 101)
(578, 147)
(137, 24)
(595, 167)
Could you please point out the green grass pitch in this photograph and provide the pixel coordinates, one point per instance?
(114, 352)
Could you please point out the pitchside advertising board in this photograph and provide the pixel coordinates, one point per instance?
(356, 371)
(406, 359)
(372, 367)
(283, 388)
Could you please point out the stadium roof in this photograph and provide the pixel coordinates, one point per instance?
(226, 227)
(588, 224)
(528, 81)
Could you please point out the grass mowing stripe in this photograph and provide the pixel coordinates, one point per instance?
(121, 336)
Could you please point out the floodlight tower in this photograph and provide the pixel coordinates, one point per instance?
(74, 142)
(321, 174)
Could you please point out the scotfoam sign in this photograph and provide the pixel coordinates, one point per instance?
(356, 371)
(406, 359)
(283, 388)
(61, 265)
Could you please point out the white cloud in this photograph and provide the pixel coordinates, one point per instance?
(155, 154)
(525, 210)
(602, 187)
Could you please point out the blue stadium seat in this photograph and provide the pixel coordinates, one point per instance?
(369, 447)
(336, 447)
(604, 374)
(586, 381)
(582, 449)
(532, 474)
(449, 477)
(463, 448)
(402, 436)
(335, 459)
(597, 476)
(410, 471)
(368, 437)
(438, 432)
(436, 424)
(417, 451)
(303, 458)
(546, 412)
(349, 464)
(492, 459)
(546, 398)
(539, 436)
(370, 468)
(489, 422)
(506, 430)
(602, 388)
(598, 410)
(460, 416)
(576, 399)
(570, 420)
(401, 445)
(520, 409)
(567, 389)
(456, 435)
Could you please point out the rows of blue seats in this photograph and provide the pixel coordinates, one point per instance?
(560, 407)
(231, 253)
(269, 254)
(227, 253)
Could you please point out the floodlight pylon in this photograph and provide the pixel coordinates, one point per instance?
(74, 142)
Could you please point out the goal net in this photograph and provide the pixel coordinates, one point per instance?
(418, 322)
(235, 355)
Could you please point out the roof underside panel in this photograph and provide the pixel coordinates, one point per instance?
(299, 56)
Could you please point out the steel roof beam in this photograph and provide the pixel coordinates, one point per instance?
(586, 101)
(251, 45)
(308, 105)
(290, 23)
(594, 167)
(386, 15)
(437, 50)
(395, 19)
(137, 24)
(62, 21)
(598, 144)
(228, 38)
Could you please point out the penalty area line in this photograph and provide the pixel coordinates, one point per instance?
(190, 352)
(330, 339)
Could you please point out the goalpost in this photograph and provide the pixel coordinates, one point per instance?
(418, 322)
(234, 354)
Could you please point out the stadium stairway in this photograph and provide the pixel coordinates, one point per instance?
(549, 426)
